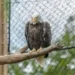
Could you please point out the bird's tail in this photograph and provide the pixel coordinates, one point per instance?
(41, 60)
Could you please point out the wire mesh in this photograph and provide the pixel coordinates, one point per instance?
(55, 12)
(58, 13)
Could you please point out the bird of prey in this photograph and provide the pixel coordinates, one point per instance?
(38, 35)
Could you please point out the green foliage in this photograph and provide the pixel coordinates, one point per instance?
(60, 62)
(7, 8)
(63, 66)
(61, 58)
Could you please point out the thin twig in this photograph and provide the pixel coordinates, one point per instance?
(70, 47)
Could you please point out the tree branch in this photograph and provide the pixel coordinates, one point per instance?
(70, 47)
(22, 50)
(15, 58)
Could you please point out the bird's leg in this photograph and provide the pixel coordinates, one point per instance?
(33, 50)
(40, 59)
(40, 49)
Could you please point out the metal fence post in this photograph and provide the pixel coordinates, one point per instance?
(3, 37)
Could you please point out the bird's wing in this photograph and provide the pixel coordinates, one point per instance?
(26, 33)
(26, 30)
(47, 34)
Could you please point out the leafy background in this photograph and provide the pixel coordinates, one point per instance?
(58, 63)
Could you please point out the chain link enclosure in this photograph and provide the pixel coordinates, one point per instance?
(55, 12)
(60, 14)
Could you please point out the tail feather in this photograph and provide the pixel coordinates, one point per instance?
(41, 60)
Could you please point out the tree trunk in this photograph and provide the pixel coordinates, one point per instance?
(3, 37)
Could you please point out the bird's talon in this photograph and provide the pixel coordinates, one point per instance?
(33, 50)
(30, 52)
(40, 49)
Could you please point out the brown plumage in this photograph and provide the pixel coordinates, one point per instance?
(38, 35)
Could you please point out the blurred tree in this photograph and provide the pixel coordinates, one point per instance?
(58, 63)
(65, 59)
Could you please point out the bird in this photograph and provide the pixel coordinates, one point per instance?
(38, 35)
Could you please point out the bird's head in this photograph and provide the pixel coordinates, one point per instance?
(35, 18)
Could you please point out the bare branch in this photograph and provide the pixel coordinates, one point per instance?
(22, 50)
(15, 58)
(70, 47)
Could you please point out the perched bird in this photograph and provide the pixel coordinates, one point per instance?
(38, 35)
